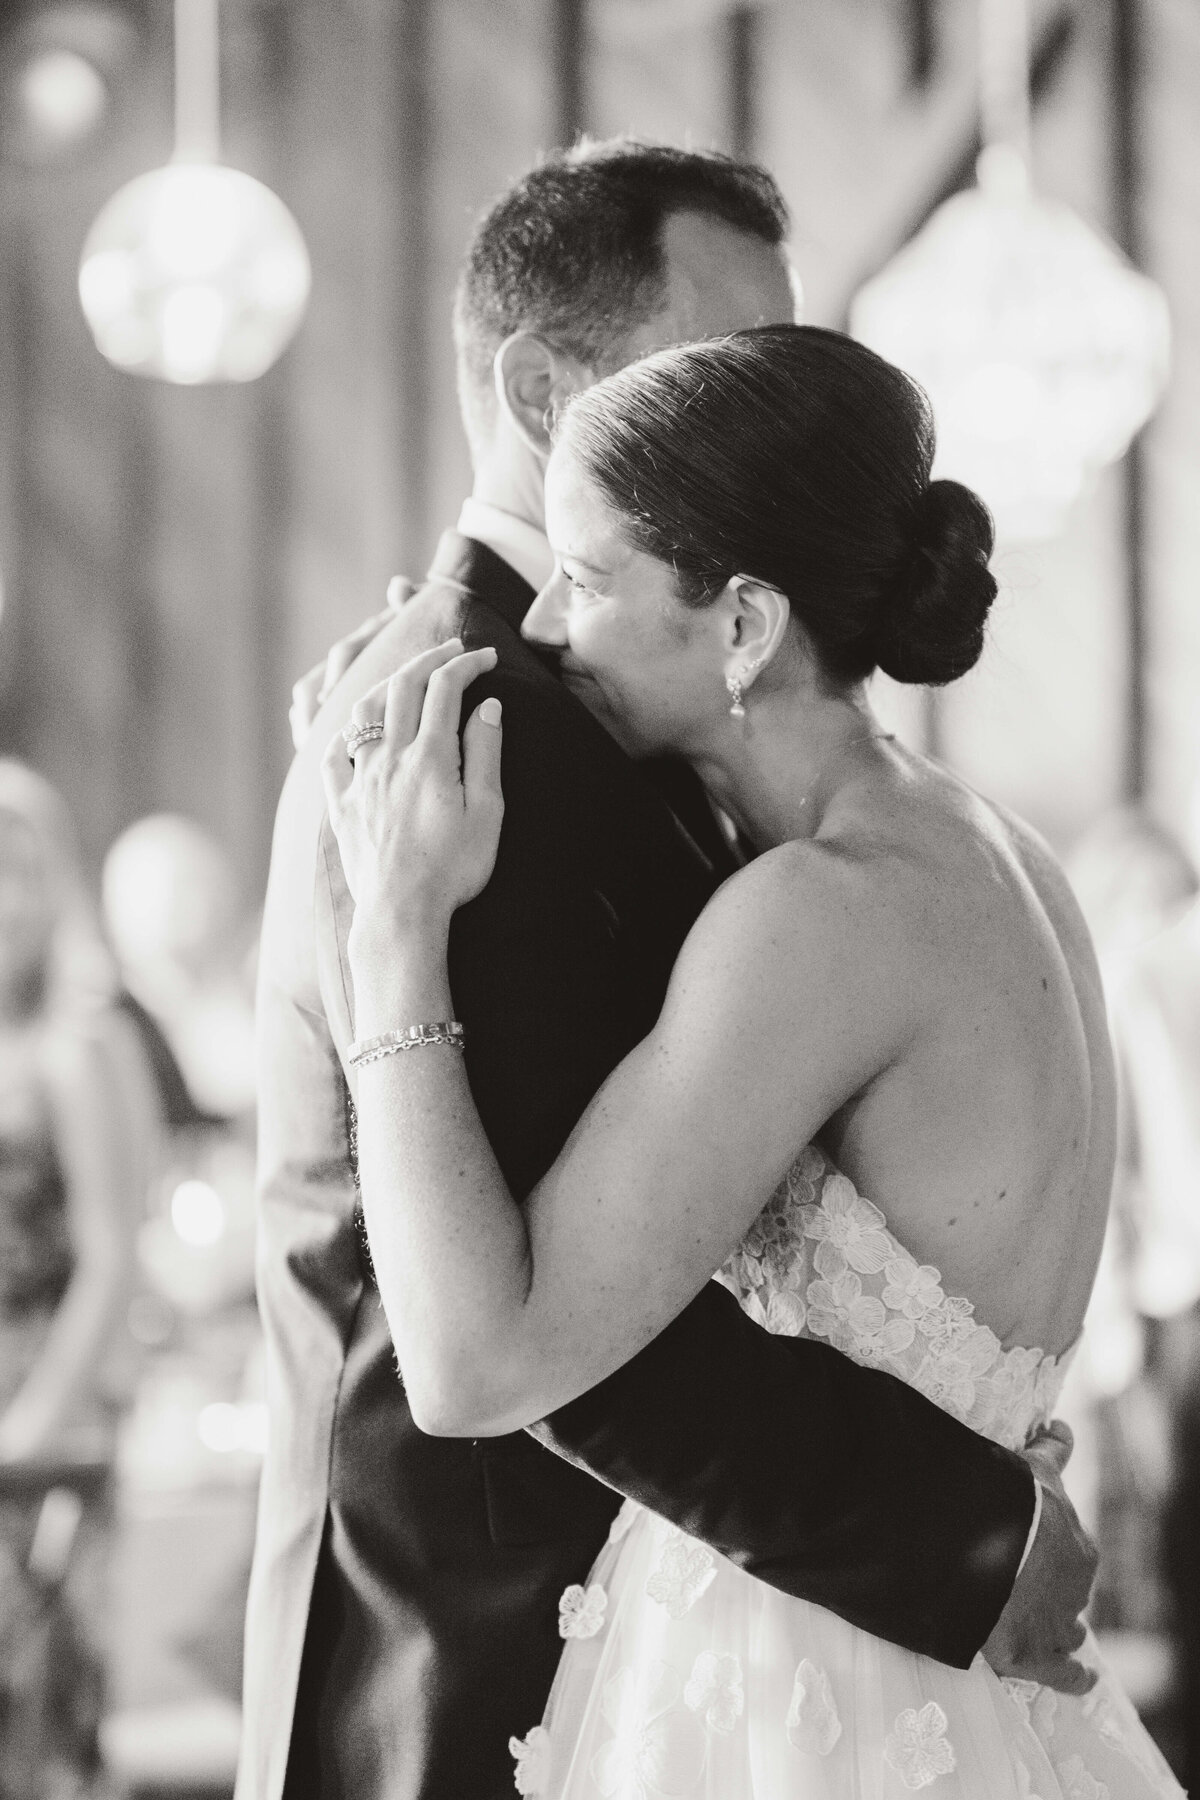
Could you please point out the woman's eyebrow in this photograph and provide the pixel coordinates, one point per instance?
(582, 562)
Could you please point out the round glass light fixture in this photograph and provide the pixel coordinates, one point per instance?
(194, 272)
(1042, 349)
(64, 95)
(62, 69)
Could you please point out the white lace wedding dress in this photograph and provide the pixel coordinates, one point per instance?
(682, 1676)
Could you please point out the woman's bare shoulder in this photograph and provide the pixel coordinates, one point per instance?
(804, 929)
(1054, 892)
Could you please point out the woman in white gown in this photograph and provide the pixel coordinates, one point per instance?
(896, 998)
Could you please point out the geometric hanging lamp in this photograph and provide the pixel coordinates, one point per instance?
(1042, 349)
(194, 272)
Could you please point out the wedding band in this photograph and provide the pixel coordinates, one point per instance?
(355, 736)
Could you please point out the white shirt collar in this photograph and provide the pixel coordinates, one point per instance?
(523, 547)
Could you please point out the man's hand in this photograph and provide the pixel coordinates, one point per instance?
(1040, 1628)
(312, 690)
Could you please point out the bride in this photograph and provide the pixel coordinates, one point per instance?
(877, 1105)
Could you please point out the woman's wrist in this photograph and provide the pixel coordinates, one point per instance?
(399, 981)
(379, 940)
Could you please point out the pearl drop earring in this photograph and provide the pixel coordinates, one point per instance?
(736, 685)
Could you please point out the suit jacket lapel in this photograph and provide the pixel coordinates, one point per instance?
(483, 575)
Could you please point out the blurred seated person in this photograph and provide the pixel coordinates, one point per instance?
(78, 1139)
(1156, 1024)
(185, 946)
(1139, 889)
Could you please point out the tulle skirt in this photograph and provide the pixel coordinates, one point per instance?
(682, 1676)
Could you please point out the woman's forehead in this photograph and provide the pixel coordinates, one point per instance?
(580, 522)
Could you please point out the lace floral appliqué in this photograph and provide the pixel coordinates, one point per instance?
(1036, 1704)
(820, 1259)
(581, 1611)
(683, 1571)
(715, 1690)
(918, 1748)
(658, 1746)
(812, 1721)
(1078, 1783)
(533, 1761)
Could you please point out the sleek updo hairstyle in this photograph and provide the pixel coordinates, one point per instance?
(797, 456)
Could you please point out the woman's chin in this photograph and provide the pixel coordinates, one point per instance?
(617, 725)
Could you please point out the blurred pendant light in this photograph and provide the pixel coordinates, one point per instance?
(1042, 349)
(195, 272)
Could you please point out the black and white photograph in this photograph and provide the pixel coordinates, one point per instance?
(599, 899)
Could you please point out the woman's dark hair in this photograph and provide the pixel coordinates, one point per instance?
(798, 456)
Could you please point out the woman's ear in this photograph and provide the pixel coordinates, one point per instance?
(532, 380)
(758, 619)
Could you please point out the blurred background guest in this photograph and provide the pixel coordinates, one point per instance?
(173, 911)
(1131, 1396)
(77, 1148)
(1155, 1005)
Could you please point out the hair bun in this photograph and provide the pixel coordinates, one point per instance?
(931, 624)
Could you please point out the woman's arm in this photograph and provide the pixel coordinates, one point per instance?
(98, 1148)
(501, 1315)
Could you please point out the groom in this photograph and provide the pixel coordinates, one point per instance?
(402, 1623)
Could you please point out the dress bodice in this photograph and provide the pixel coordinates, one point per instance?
(820, 1261)
(685, 1675)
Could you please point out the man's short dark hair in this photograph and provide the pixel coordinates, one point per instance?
(573, 252)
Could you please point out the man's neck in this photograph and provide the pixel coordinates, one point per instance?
(522, 546)
(512, 478)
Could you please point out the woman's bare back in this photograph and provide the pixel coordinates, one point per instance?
(989, 1140)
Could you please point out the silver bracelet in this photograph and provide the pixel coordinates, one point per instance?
(370, 1050)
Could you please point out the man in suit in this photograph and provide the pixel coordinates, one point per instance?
(403, 1611)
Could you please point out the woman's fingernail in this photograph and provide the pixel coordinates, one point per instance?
(490, 711)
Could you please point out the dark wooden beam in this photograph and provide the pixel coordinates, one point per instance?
(415, 323)
(1125, 88)
(19, 696)
(569, 68)
(922, 40)
(741, 64)
(274, 475)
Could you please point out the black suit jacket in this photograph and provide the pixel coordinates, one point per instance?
(422, 1575)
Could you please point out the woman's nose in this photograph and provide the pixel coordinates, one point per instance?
(546, 620)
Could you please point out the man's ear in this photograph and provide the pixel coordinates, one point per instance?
(532, 380)
(758, 619)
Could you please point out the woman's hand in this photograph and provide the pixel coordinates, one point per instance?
(418, 818)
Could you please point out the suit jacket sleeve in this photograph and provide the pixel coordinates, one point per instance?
(825, 1479)
(829, 1481)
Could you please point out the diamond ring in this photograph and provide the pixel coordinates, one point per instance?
(355, 736)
